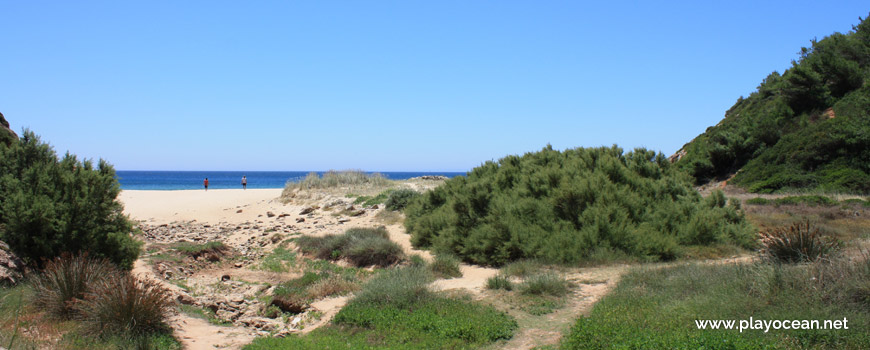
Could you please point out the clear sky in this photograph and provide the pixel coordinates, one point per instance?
(386, 85)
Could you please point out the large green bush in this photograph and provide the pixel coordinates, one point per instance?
(564, 206)
(808, 128)
(49, 206)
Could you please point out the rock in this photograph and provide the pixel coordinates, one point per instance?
(270, 214)
(375, 207)
(283, 215)
(11, 267)
(357, 213)
(185, 299)
(349, 208)
(295, 321)
(298, 220)
(238, 211)
(341, 221)
(306, 211)
(225, 278)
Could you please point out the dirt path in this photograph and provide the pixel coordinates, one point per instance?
(195, 333)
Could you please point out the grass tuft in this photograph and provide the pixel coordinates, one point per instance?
(799, 242)
(445, 266)
(124, 304)
(547, 283)
(65, 281)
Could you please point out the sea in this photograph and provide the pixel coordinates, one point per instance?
(190, 180)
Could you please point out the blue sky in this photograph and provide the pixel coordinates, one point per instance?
(385, 85)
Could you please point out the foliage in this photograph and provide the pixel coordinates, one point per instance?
(808, 128)
(796, 243)
(397, 310)
(655, 308)
(564, 206)
(399, 199)
(400, 287)
(372, 200)
(278, 260)
(499, 282)
(521, 268)
(361, 246)
(337, 179)
(208, 249)
(64, 282)
(547, 283)
(445, 266)
(51, 206)
(125, 304)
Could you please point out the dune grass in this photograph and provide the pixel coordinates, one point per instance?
(653, 308)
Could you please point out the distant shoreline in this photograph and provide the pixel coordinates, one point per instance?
(166, 180)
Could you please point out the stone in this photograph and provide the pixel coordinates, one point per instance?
(298, 220)
(238, 211)
(375, 207)
(270, 214)
(225, 278)
(238, 265)
(306, 211)
(11, 267)
(185, 299)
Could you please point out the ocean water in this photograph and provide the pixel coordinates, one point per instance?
(191, 180)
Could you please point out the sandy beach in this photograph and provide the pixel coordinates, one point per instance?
(212, 206)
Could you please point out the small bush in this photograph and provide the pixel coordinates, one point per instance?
(812, 201)
(546, 283)
(374, 251)
(522, 268)
(417, 261)
(210, 250)
(65, 281)
(124, 304)
(399, 199)
(293, 296)
(400, 287)
(499, 282)
(445, 266)
(758, 201)
(796, 243)
(331, 286)
(362, 246)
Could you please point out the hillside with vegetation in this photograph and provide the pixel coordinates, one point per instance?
(805, 129)
(573, 206)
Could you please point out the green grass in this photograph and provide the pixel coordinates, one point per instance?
(499, 282)
(654, 308)
(548, 283)
(279, 260)
(372, 200)
(521, 268)
(195, 249)
(397, 310)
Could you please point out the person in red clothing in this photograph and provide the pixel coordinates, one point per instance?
(205, 183)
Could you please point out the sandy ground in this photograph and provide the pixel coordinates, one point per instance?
(213, 206)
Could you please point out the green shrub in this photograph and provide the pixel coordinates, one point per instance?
(400, 287)
(124, 304)
(400, 198)
(758, 201)
(374, 252)
(499, 282)
(445, 266)
(796, 243)
(362, 246)
(807, 200)
(417, 261)
(51, 206)
(64, 282)
(547, 283)
(293, 296)
(521, 268)
(333, 179)
(211, 250)
(564, 206)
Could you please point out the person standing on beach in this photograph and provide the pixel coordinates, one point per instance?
(205, 183)
(244, 182)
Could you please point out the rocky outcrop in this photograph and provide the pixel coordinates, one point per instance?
(11, 267)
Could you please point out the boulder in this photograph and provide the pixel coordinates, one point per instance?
(11, 267)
